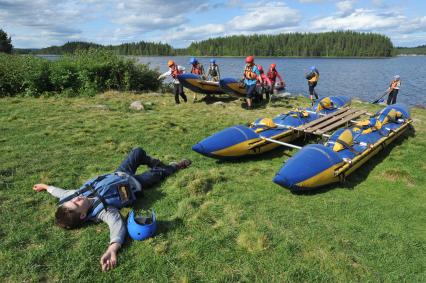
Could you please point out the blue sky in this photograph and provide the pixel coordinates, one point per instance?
(41, 23)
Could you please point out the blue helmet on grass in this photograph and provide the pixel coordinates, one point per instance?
(141, 227)
(193, 60)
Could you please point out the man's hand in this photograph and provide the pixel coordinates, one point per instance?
(40, 187)
(109, 258)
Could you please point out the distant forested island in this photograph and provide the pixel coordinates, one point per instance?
(419, 50)
(327, 44)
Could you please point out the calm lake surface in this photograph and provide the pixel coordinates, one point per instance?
(364, 79)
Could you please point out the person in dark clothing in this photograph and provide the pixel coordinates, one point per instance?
(394, 89)
(101, 198)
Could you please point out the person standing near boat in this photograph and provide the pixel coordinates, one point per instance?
(266, 85)
(174, 71)
(393, 89)
(251, 76)
(273, 75)
(213, 71)
(197, 69)
(312, 77)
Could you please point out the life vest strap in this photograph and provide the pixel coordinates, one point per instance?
(84, 190)
(347, 146)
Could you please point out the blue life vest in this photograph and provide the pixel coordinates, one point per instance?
(107, 190)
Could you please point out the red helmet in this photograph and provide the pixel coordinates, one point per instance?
(249, 59)
(273, 65)
(260, 68)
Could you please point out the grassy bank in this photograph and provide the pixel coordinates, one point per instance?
(218, 221)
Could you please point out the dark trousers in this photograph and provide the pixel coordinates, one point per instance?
(178, 91)
(148, 178)
(312, 91)
(250, 91)
(392, 97)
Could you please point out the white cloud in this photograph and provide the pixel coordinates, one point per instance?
(345, 7)
(265, 17)
(361, 20)
(150, 15)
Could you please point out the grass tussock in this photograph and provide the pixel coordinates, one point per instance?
(217, 221)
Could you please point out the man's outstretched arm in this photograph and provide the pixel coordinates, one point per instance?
(117, 231)
(54, 191)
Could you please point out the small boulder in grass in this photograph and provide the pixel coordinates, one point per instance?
(137, 106)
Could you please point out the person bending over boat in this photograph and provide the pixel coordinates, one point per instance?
(101, 198)
(273, 75)
(197, 69)
(213, 72)
(393, 89)
(312, 77)
(251, 76)
(266, 85)
(174, 71)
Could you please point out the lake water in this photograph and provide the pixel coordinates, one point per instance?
(364, 79)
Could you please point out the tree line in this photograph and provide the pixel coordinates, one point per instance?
(339, 43)
(327, 44)
(419, 50)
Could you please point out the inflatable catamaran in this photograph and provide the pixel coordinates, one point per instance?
(266, 134)
(197, 84)
(346, 150)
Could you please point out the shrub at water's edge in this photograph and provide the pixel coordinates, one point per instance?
(86, 72)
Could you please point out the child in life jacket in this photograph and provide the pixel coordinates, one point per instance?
(393, 89)
(174, 71)
(197, 69)
(101, 198)
(273, 75)
(312, 77)
(251, 76)
(213, 71)
(266, 85)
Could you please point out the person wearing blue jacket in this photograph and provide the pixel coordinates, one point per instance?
(101, 198)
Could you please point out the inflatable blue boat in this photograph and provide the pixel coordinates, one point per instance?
(233, 87)
(346, 150)
(242, 140)
(196, 84)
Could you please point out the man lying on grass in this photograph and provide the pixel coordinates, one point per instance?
(100, 198)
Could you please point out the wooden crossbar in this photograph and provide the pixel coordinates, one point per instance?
(333, 119)
(319, 120)
(339, 123)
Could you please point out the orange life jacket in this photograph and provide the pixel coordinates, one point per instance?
(394, 84)
(175, 72)
(315, 78)
(198, 69)
(249, 74)
(272, 75)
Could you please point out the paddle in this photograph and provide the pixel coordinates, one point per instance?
(381, 98)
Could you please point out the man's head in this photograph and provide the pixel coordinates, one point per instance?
(72, 213)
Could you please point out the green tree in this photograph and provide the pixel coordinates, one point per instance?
(5, 42)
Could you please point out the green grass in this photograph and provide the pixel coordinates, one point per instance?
(218, 221)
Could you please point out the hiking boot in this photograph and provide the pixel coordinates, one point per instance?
(184, 163)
